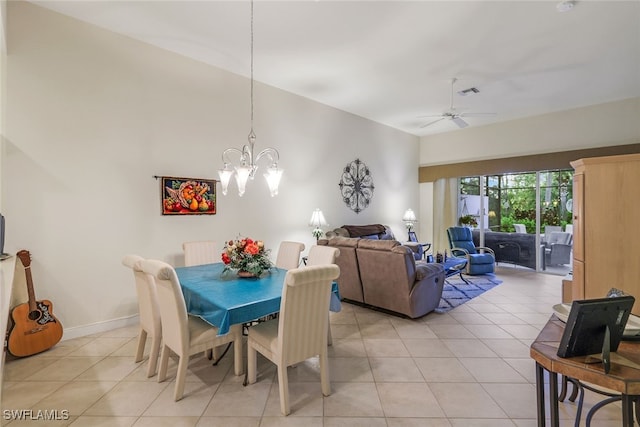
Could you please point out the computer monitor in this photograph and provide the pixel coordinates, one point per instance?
(595, 326)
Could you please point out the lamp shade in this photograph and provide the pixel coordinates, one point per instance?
(409, 215)
(317, 219)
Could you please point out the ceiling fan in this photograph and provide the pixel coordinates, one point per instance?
(452, 114)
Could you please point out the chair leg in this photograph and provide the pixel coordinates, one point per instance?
(142, 339)
(252, 363)
(153, 356)
(181, 375)
(324, 373)
(329, 337)
(237, 353)
(164, 362)
(283, 385)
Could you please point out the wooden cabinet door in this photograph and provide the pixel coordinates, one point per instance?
(578, 216)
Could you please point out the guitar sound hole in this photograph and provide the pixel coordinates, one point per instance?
(34, 315)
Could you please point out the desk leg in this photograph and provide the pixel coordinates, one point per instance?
(540, 394)
(627, 411)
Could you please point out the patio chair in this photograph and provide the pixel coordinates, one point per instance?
(300, 331)
(520, 228)
(480, 260)
(149, 312)
(558, 248)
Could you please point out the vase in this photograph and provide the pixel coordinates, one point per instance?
(245, 274)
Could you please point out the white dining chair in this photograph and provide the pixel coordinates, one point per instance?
(289, 255)
(323, 255)
(200, 252)
(149, 313)
(183, 334)
(299, 332)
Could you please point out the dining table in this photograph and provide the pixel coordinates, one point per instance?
(222, 298)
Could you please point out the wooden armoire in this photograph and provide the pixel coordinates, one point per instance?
(606, 227)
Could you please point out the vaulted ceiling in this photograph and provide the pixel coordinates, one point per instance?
(393, 61)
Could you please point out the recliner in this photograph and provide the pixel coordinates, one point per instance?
(480, 260)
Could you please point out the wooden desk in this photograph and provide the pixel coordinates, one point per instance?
(624, 376)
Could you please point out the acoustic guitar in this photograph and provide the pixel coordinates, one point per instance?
(35, 328)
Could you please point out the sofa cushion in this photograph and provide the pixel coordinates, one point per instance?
(484, 258)
(337, 232)
(382, 245)
(364, 230)
(349, 242)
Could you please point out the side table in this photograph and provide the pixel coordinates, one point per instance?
(453, 266)
(624, 377)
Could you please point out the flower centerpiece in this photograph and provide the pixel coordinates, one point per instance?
(247, 256)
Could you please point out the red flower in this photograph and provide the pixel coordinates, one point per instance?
(225, 258)
(251, 248)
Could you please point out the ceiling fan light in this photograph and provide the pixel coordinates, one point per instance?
(565, 6)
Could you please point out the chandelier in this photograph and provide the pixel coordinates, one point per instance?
(247, 163)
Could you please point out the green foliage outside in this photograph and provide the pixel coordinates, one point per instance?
(512, 199)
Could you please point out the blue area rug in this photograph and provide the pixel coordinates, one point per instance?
(455, 292)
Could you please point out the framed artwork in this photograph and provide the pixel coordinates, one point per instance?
(356, 186)
(187, 196)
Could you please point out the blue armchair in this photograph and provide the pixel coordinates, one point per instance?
(480, 260)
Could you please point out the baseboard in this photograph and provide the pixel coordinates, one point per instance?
(96, 328)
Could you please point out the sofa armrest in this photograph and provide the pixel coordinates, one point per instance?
(485, 249)
(426, 269)
(459, 252)
(426, 292)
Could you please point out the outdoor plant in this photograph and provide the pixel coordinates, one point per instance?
(468, 221)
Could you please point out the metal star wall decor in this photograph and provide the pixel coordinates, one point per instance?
(356, 186)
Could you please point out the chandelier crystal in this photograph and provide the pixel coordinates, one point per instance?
(247, 162)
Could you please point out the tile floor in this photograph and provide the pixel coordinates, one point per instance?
(469, 367)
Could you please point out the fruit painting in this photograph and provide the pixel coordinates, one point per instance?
(188, 196)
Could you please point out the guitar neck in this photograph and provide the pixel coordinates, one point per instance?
(31, 293)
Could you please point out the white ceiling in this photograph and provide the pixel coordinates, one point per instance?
(392, 61)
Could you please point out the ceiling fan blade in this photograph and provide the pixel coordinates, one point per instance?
(429, 116)
(430, 123)
(461, 123)
(476, 114)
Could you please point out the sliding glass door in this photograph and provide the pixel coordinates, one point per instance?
(529, 214)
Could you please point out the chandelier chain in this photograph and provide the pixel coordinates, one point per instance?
(247, 162)
(251, 66)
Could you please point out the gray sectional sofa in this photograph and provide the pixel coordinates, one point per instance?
(384, 274)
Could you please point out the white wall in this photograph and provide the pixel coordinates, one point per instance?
(92, 116)
(614, 123)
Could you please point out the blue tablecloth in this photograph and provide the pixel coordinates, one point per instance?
(225, 299)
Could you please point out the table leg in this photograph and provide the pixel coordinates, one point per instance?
(540, 394)
(553, 399)
(627, 411)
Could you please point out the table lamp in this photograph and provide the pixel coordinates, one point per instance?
(409, 219)
(317, 221)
